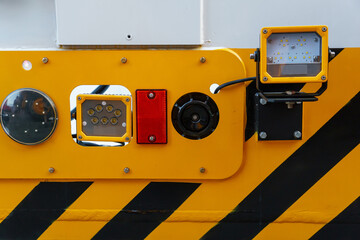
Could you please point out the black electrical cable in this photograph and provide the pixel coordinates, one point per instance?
(233, 82)
(98, 90)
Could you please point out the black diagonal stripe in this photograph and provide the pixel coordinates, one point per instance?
(344, 226)
(331, 143)
(40, 208)
(154, 204)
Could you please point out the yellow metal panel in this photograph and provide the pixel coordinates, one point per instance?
(324, 54)
(179, 72)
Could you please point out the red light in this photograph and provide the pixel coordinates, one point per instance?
(151, 111)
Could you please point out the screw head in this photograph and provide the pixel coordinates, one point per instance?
(324, 29)
(262, 135)
(127, 138)
(126, 170)
(152, 138)
(297, 134)
(124, 60)
(252, 56)
(80, 137)
(45, 60)
(265, 31)
(51, 170)
(151, 95)
(202, 59)
(265, 79)
(202, 170)
(79, 98)
(262, 101)
(323, 77)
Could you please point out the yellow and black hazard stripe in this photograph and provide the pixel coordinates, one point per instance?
(328, 146)
(344, 226)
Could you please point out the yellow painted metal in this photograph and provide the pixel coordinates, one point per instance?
(297, 29)
(83, 97)
(177, 71)
(214, 199)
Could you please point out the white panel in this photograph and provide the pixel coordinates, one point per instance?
(237, 23)
(129, 22)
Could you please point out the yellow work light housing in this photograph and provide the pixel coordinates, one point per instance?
(103, 117)
(294, 54)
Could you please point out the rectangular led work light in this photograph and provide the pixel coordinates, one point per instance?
(294, 54)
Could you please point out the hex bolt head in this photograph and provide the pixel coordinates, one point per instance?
(124, 60)
(202, 170)
(152, 138)
(324, 29)
(265, 31)
(262, 135)
(126, 170)
(323, 77)
(262, 101)
(202, 59)
(252, 56)
(51, 170)
(265, 79)
(79, 98)
(151, 95)
(45, 60)
(297, 134)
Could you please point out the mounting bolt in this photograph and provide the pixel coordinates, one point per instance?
(127, 138)
(265, 79)
(126, 170)
(80, 137)
(262, 135)
(265, 31)
(323, 77)
(51, 170)
(202, 59)
(79, 98)
(324, 29)
(262, 101)
(297, 134)
(45, 60)
(252, 56)
(128, 99)
(332, 54)
(124, 60)
(152, 138)
(151, 95)
(202, 170)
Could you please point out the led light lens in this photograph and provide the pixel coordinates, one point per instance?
(98, 108)
(28, 116)
(104, 120)
(109, 108)
(117, 112)
(292, 49)
(91, 112)
(114, 121)
(94, 120)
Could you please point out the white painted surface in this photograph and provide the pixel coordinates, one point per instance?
(129, 22)
(30, 24)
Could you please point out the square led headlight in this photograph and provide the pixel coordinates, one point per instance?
(294, 54)
(103, 118)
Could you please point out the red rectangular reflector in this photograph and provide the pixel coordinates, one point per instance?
(151, 112)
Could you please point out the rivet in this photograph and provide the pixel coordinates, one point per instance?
(202, 59)
(265, 79)
(128, 99)
(79, 98)
(152, 138)
(126, 170)
(124, 60)
(265, 31)
(80, 137)
(127, 138)
(262, 135)
(202, 170)
(51, 170)
(297, 134)
(151, 95)
(324, 29)
(45, 60)
(323, 77)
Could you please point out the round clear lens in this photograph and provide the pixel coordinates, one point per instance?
(28, 116)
